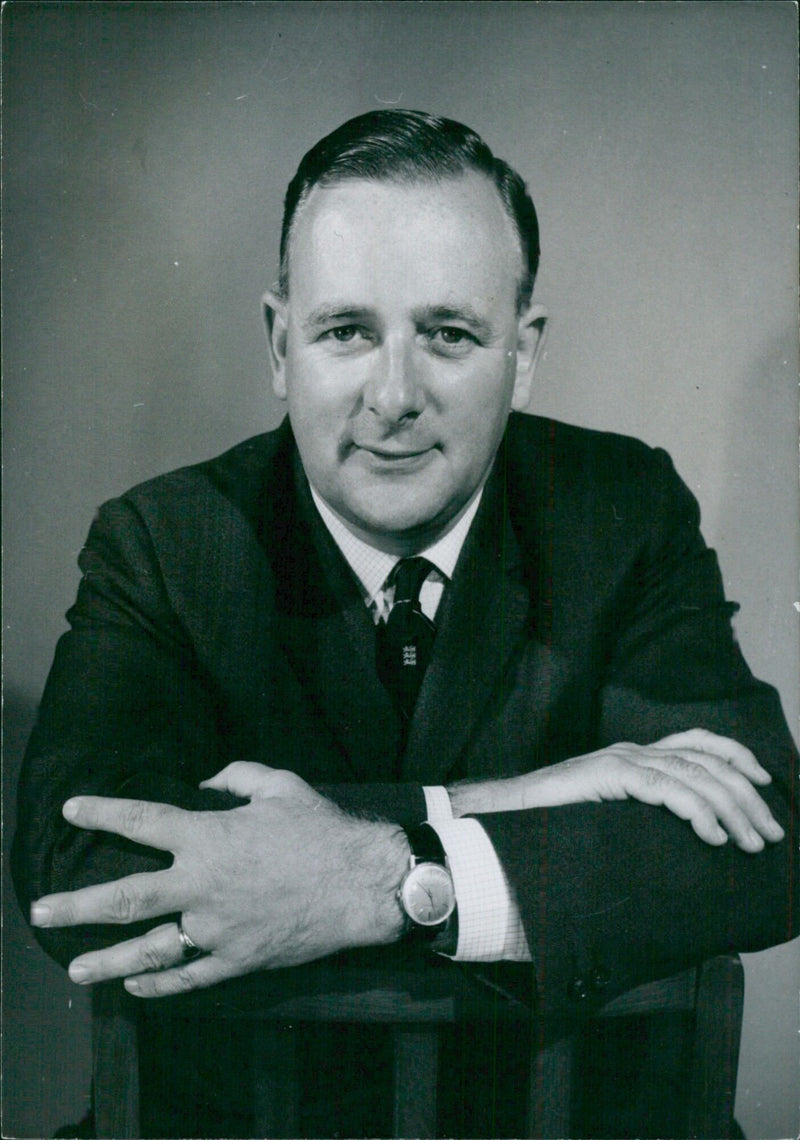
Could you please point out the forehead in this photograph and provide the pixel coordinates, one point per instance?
(446, 236)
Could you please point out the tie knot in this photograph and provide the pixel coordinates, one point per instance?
(407, 578)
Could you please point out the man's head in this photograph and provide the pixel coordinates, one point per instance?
(402, 331)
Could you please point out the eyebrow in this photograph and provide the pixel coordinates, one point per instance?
(335, 312)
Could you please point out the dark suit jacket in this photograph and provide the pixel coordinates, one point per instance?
(216, 619)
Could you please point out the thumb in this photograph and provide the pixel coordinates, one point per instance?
(243, 778)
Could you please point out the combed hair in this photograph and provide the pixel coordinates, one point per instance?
(407, 147)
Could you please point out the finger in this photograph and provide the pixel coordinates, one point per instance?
(751, 803)
(156, 950)
(182, 979)
(651, 786)
(731, 751)
(249, 780)
(727, 812)
(242, 778)
(154, 825)
(147, 895)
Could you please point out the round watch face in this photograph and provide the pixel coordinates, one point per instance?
(427, 894)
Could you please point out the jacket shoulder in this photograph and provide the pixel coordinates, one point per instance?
(187, 519)
(578, 450)
(584, 478)
(239, 474)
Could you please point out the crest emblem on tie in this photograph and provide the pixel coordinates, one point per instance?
(404, 641)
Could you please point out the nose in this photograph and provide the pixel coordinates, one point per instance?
(393, 391)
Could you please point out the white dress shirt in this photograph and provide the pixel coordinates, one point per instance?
(489, 925)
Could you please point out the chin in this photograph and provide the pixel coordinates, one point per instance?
(396, 525)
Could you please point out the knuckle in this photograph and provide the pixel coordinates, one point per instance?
(617, 758)
(743, 760)
(149, 902)
(715, 764)
(184, 979)
(739, 785)
(151, 957)
(133, 815)
(699, 734)
(122, 904)
(621, 750)
(686, 769)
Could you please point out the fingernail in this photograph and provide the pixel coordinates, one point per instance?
(775, 830)
(132, 986)
(79, 973)
(40, 915)
(71, 809)
(754, 840)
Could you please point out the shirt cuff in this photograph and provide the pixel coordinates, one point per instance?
(489, 924)
(437, 805)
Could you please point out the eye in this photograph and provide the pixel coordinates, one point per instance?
(343, 333)
(452, 335)
(451, 340)
(350, 338)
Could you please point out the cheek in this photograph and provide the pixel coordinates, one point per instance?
(480, 408)
(311, 401)
(322, 389)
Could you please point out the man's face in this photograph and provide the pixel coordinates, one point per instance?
(400, 350)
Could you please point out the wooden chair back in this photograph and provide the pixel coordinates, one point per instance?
(711, 995)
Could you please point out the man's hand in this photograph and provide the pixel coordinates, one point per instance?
(703, 778)
(282, 880)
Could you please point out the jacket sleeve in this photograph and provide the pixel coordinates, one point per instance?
(616, 894)
(129, 710)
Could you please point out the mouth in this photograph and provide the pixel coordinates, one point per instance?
(394, 457)
(395, 453)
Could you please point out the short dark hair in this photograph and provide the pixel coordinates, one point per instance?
(411, 146)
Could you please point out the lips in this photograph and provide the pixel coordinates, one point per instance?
(393, 447)
(387, 453)
(379, 457)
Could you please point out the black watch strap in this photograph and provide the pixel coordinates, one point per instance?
(427, 847)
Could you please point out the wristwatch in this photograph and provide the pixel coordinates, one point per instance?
(426, 893)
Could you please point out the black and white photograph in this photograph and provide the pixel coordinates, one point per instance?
(401, 548)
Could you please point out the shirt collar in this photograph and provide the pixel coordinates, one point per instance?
(372, 567)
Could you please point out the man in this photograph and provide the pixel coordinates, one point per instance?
(262, 677)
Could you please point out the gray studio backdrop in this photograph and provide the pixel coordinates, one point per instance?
(146, 150)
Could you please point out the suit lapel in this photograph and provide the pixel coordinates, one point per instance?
(480, 625)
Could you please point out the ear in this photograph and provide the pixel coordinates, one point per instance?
(531, 335)
(275, 320)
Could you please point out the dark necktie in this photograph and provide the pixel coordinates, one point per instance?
(405, 639)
